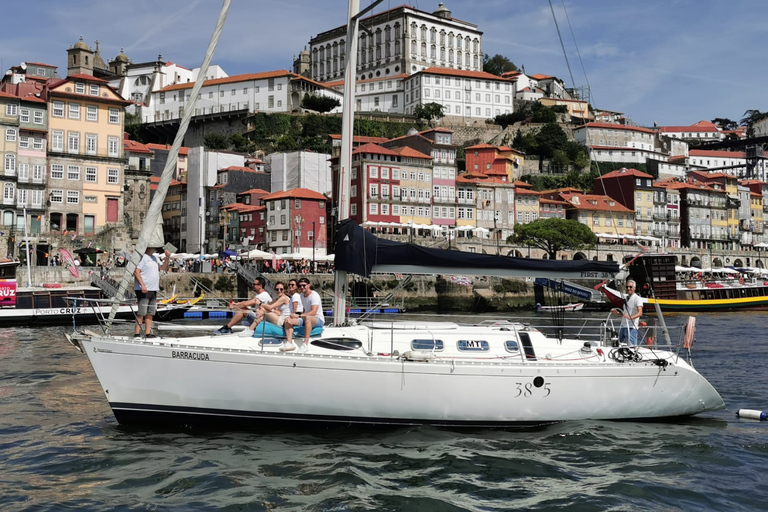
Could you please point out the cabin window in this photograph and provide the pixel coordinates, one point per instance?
(429, 344)
(512, 346)
(270, 342)
(473, 346)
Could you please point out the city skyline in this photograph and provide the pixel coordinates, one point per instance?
(659, 62)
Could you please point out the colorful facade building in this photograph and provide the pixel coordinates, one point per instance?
(85, 155)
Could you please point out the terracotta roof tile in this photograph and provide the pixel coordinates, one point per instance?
(295, 193)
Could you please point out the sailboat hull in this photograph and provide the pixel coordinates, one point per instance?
(165, 383)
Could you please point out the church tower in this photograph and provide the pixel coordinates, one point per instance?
(79, 59)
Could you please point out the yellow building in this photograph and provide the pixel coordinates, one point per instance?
(85, 155)
(602, 214)
(576, 108)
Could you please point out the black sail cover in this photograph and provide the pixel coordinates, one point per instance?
(360, 252)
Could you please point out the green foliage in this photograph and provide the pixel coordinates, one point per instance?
(429, 111)
(215, 141)
(509, 286)
(725, 124)
(497, 65)
(286, 143)
(241, 144)
(225, 284)
(750, 118)
(134, 127)
(549, 138)
(543, 114)
(553, 235)
(319, 103)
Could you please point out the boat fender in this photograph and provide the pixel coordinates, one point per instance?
(741, 280)
(418, 355)
(752, 414)
(690, 329)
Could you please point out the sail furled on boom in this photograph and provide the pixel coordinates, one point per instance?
(362, 253)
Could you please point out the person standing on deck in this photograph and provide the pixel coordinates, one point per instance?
(630, 313)
(146, 285)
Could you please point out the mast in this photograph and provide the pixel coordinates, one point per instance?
(345, 158)
(155, 208)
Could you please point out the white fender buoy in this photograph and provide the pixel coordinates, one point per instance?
(752, 414)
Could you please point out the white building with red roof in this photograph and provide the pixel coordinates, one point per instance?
(703, 131)
(271, 91)
(296, 222)
(468, 96)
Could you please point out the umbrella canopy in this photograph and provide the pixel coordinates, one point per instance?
(227, 252)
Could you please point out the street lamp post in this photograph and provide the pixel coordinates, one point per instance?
(314, 236)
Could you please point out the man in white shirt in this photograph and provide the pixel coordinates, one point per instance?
(296, 310)
(312, 316)
(630, 315)
(146, 285)
(242, 308)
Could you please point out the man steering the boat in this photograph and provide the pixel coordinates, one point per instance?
(630, 315)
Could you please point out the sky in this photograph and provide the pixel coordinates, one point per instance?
(670, 62)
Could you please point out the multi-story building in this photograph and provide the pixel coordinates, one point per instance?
(85, 155)
(496, 207)
(578, 109)
(399, 40)
(733, 162)
(465, 95)
(160, 153)
(703, 131)
(272, 91)
(670, 238)
(528, 203)
(9, 137)
(500, 161)
(438, 143)
(381, 94)
(633, 189)
(552, 208)
(622, 143)
(603, 214)
(703, 222)
(760, 188)
(139, 186)
(296, 222)
(415, 187)
(729, 184)
(31, 161)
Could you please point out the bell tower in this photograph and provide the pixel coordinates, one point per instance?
(79, 59)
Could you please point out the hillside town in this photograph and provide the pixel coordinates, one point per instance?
(73, 177)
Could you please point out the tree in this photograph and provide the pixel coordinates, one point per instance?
(549, 138)
(215, 141)
(429, 111)
(319, 103)
(497, 65)
(750, 118)
(553, 235)
(725, 124)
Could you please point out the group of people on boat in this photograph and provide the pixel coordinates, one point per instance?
(299, 306)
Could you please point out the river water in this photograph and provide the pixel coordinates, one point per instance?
(61, 448)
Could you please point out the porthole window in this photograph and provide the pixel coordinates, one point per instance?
(428, 344)
(473, 346)
(512, 346)
(270, 342)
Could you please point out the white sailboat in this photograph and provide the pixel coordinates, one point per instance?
(436, 373)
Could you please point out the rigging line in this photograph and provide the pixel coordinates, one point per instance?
(589, 87)
(573, 82)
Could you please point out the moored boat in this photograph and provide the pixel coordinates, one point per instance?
(60, 305)
(658, 282)
(568, 308)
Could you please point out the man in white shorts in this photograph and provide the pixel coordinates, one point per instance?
(312, 316)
